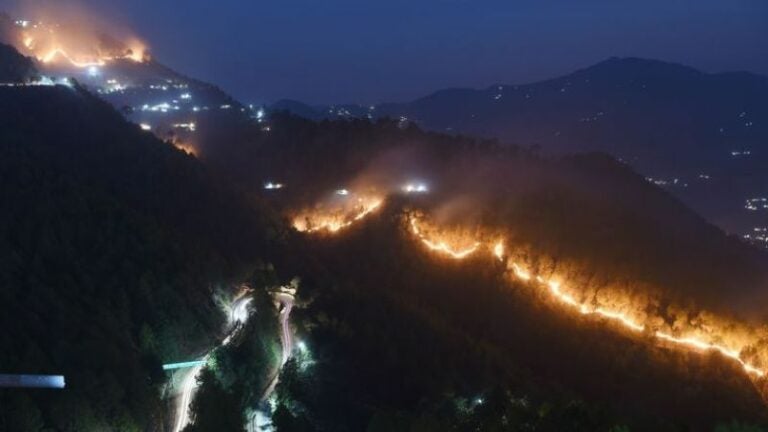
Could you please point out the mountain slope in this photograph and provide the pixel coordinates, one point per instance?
(700, 135)
(399, 339)
(14, 67)
(396, 333)
(111, 245)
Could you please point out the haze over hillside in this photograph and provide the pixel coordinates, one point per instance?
(701, 136)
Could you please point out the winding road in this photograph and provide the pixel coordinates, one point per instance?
(260, 421)
(237, 317)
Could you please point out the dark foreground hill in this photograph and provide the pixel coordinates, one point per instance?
(111, 244)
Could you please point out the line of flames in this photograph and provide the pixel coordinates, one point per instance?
(335, 221)
(441, 244)
(554, 288)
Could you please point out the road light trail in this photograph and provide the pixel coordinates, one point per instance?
(185, 403)
(238, 316)
(285, 297)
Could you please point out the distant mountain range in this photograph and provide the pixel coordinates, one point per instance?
(702, 136)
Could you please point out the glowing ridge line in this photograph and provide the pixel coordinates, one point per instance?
(333, 226)
(585, 309)
(696, 343)
(442, 246)
(554, 288)
(60, 52)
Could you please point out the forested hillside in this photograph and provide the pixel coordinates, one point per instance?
(111, 246)
(401, 339)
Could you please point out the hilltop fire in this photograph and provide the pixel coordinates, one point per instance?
(76, 46)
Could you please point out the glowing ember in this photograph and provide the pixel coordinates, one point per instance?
(337, 219)
(453, 244)
(186, 148)
(498, 250)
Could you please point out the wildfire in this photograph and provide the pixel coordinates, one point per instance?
(455, 244)
(628, 323)
(704, 346)
(186, 148)
(459, 244)
(79, 47)
(351, 211)
(498, 250)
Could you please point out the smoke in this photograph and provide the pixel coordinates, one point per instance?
(75, 31)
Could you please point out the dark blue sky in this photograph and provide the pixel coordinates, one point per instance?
(370, 51)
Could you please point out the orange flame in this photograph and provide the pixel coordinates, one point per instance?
(447, 243)
(80, 48)
(452, 244)
(338, 219)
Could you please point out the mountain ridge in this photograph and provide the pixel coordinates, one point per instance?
(700, 135)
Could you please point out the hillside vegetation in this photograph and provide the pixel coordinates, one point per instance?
(111, 245)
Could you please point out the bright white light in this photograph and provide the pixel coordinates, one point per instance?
(145, 127)
(188, 126)
(479, 401)
(273, 186)
(302, 346)
(342, 192)
(93, 71)
(260, 113)
(240, 311)
(415, 188)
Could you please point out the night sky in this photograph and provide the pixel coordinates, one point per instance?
(326, 51)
